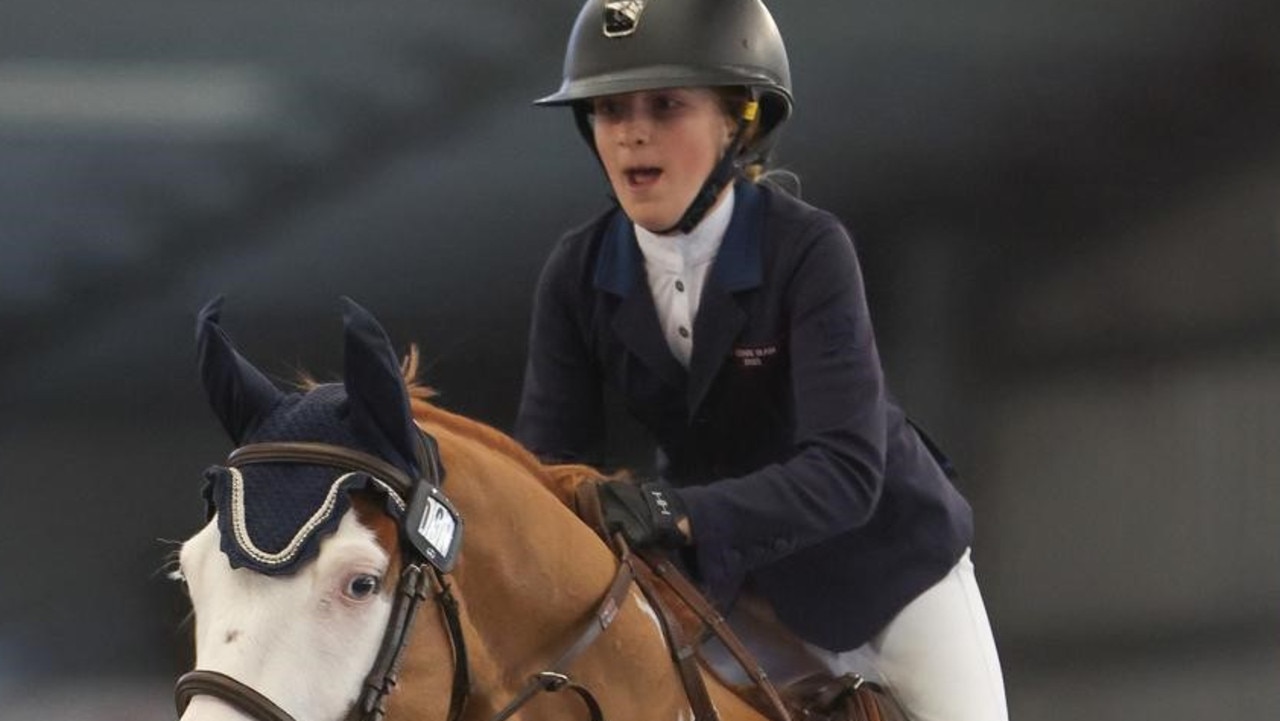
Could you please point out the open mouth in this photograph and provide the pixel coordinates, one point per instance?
(642, 176)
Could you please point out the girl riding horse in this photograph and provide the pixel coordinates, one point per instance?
(731, 319)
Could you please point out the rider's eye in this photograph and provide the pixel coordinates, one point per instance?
(666, 103)
(362, 586)
(606, 109)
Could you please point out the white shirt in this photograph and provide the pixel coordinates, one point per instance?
(677, 266)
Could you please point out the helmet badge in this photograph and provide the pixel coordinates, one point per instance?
(621, 17)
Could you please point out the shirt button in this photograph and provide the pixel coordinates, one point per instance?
(680, 286)
(684, 332)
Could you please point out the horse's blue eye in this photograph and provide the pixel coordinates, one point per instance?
(362, 586)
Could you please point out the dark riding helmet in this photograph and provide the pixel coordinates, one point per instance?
(623, 46)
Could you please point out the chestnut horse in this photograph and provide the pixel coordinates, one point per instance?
(295, 580)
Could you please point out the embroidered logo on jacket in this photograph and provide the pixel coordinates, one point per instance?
(755, 356)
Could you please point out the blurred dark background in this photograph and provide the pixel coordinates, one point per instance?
(1069, 214)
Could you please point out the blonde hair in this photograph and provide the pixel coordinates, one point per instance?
(733, 102)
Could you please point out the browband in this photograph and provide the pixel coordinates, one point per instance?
(323, 454)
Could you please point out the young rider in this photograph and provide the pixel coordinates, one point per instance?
(731, 318)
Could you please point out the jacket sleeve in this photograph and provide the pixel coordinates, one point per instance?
(832, 479)
(560, 417)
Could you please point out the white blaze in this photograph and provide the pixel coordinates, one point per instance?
(301, 640)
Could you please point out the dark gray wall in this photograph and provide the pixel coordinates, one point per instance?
(1069, 215)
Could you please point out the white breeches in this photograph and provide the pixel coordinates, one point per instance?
(937, 656)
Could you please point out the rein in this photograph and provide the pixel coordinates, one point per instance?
(425, 574)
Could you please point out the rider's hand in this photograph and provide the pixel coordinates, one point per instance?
(646, 514)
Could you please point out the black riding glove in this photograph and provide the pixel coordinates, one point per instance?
(646, 514)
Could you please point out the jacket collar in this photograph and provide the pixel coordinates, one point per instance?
(620, 265)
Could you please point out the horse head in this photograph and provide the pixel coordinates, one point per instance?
(329, 531)
(294, 578)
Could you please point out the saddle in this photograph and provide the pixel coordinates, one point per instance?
(700, 637)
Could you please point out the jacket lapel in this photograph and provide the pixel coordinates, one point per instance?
(721, 317)
(720, 320)
(620, 271)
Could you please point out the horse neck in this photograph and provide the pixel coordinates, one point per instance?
(529, 571)
(530, 577)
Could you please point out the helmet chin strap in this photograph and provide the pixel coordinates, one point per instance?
(721, 175)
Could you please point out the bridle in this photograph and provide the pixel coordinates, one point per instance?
(424, 574)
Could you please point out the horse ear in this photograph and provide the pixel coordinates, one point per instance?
(239, 393)
(376, 393)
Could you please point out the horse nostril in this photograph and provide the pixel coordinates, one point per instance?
(231, 636)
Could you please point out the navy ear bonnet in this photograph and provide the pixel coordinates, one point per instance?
(273, 516)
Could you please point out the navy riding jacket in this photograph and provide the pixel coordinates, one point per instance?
(801, 474)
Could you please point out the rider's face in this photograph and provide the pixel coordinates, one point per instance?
(658, 147)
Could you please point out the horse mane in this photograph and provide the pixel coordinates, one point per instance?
(562, 479)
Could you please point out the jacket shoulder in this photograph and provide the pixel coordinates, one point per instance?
(574, 253)
(568, 269)
(579, 238)
(798, 223)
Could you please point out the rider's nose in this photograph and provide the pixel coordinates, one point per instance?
(634, 131)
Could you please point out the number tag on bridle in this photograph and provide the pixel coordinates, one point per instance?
(433, 527)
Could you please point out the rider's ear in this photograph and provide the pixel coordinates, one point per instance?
(239, 393)
(376, 394)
